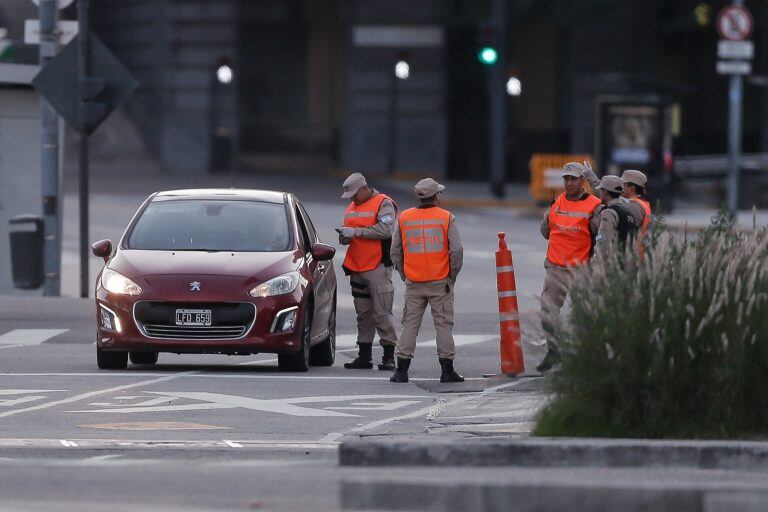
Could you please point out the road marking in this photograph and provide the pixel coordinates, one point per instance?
(99, 443)
(11, 346)
(330, 437)
(21, 337)
(232, 444)
(69, 444)
(421, 412)
(153, 425)
(287, 406)
(89, 394)
(12, 402)
(368, 406)
(198, 374)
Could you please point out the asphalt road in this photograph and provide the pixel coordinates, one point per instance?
(198, 432)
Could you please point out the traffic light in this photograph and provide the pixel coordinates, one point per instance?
(488, 55)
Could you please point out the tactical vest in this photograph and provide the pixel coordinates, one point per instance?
(627, 228)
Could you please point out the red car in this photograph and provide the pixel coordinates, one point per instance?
(217, 271)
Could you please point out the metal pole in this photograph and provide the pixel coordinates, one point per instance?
(49, 159)
(392, 155)
(735, 95)
(764, 43)
(497, 113)
(83, 16)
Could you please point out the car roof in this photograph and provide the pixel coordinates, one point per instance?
(235, 194)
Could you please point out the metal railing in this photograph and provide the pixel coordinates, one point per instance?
(716, 166)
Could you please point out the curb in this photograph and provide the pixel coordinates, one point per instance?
(501, 495)
(551, 452)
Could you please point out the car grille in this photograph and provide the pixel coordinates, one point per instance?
(230, 320)
(189, 331)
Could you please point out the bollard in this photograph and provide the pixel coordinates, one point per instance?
(512, 363)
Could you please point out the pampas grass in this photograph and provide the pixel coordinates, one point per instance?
(674, 344)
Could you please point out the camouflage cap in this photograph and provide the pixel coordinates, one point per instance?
(574, 169)
(634, 177)
(352, 184)
(611, 183)
(428, 188)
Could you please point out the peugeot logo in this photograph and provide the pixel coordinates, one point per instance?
(194, 286)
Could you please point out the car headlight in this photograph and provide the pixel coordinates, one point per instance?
(279, 285)
(115, 282)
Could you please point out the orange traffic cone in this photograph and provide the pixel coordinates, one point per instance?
(509, 319)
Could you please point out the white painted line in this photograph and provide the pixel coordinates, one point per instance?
(195, 374)
(90, 394)
(330, 437)
(430, 410)
(287, 406)
(143, 444)
(11, 346)
(232, 444)
(29, 336)
(258, 361)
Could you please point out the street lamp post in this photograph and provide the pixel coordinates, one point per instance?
(402, 71)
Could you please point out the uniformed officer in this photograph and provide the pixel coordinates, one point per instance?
(635, 208)
(368, 224)
(569, 224)
(428, 254)
(634, 189)
(616, 222)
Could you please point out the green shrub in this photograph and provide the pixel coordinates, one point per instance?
(671, 345)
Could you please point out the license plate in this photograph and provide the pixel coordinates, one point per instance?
(193, 317)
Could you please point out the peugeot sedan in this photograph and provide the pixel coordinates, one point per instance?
(217, 271)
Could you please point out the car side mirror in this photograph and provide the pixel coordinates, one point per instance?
(102, 249)
(323, 252)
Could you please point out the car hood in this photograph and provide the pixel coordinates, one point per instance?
(252, 266)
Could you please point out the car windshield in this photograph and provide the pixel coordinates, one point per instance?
(211, 225)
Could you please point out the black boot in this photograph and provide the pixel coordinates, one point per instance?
(388, 358)
(550, 360)
(401, 374)
(449, 374)
(364, 359)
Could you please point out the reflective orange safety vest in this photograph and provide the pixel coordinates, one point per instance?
(365, 254)
(647, 208)
(570, 242)
(424, 233)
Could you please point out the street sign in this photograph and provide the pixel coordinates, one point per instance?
(61, 4)
(734, 23)
(735, 49)
(67, 31)
(734, 67)
(58, 82)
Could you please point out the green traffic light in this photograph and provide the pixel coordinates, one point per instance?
(488, 55)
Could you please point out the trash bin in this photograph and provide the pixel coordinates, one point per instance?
(26, 233)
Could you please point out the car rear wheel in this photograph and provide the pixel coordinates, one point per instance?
(117, 360)
(143, 357)
(299, 362)
(324, 353)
